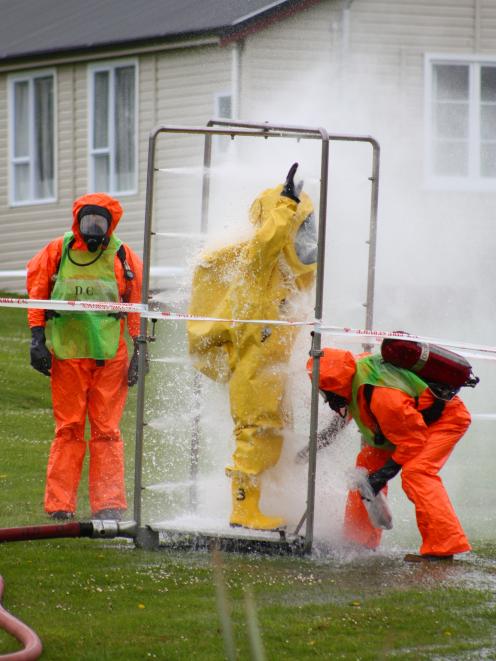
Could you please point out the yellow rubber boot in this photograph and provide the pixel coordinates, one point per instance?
(245, 512)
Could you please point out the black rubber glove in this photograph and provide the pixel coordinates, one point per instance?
(41, 358)
(379, 479)
(289, 189)
(132, 372)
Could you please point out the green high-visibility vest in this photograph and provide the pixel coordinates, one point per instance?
(374, 371)
(86, 334)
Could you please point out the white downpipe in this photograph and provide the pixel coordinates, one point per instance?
(345, 30)
(237, 47)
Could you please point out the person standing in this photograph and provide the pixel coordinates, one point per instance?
(257, 279)
(88, 363)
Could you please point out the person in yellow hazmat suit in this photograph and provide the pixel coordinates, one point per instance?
(255, 279)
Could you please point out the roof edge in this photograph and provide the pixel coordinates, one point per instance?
(264, 18)
(121, 49)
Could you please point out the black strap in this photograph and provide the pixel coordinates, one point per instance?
(121, 254)
(73, 261)
(379, 438)
(433, 412)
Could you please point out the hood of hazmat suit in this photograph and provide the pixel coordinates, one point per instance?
(337, 369)
(107, 203)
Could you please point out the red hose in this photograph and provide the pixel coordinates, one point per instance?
(26, 636)
(13, 626)
(50, 531)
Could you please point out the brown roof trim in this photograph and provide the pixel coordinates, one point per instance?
(79, 56)
(264, 20)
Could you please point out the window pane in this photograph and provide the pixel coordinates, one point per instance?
(101, 170)
(488, 122)
(21, 115)
(100, 110)
(488, 160)
(43, 137)
(124, 128)
(21, 183)
(451, 158)
(451, 82)
(488, 83)
(451, 120)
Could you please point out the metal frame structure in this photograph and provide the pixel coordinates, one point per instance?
(145, 535)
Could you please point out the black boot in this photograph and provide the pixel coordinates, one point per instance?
(428, 557)
(110, 514)
(61, 515)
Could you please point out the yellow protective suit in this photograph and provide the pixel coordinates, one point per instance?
(256, 279)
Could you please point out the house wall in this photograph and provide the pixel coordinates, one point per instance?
(361, 71)
(442, 236)
(186, 85)
(175, 87)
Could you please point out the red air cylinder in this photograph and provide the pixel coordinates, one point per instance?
(430, 361)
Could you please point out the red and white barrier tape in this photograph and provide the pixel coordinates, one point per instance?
(177, 316)
(81, 306)
(372, 335)
(343, 333)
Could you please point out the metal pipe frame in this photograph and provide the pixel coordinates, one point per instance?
(233, 129)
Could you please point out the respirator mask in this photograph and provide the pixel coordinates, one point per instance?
(94, 223)
(336, 402)
(305, 241)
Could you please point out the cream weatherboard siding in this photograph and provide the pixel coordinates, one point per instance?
(187, 83)
(277, 62)
(487, 26)
(175, 87)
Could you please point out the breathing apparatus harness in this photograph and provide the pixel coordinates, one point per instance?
(121, 254)
(443, 371)
(430, 415)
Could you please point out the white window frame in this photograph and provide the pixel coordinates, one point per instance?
(110, 66)
(29, 76)
(473, 181)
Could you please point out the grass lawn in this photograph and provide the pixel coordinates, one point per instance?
(97, 600)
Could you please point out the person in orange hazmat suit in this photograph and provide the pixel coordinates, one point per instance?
(406, 428)
(255, 279)
(88, 362)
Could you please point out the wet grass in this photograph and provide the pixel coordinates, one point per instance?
(107, 600)
(96, 600)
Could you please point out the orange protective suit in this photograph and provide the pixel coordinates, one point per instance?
(421, 450)
(84, 387)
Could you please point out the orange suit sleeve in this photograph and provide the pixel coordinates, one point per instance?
(40, 271)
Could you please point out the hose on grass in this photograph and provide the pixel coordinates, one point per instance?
(50, 531)
(96, 529)
(26, 636)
